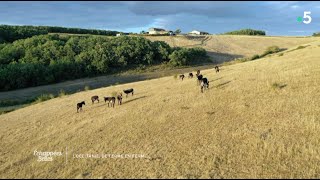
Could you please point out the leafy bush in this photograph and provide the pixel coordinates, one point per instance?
(271, 50)
(255, 57)
(184, 56)
(301, 47)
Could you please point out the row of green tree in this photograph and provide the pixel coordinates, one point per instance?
(250, 32)
(12, 33)
(316, 34)
(46, 59)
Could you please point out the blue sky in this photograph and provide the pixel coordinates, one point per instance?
(275, 17)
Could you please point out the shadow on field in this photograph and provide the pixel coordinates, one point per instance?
(222, 84)
(216, 79)
(223, 57)
(125, 102)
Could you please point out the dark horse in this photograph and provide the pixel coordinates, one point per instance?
(79, 106)
(199, 79)
(181, 77)
(204, 84)
(128, 91)
(217, 69)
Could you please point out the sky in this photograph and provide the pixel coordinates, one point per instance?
(277, 18)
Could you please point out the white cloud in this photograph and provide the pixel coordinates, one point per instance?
(295, 6)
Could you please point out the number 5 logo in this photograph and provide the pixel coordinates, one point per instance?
(306, 15)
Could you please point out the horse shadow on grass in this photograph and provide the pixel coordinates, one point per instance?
(222, 84)
(216, 79)
(125, 102)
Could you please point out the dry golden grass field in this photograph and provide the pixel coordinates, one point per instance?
(227, 47)
(258, 119)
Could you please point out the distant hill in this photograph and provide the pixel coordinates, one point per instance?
(228, 47)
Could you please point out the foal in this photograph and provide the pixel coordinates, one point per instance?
(94, 98)
(119, 98)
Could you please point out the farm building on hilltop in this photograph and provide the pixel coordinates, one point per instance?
(157, 31)
(122, 34)
(195, 32)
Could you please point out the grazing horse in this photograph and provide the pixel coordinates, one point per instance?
(199, 79)
(94, 98)
(190, 75)
(204, 84)
(79, 106)
(181, 77)
(217, 69)
(119, 98)
(110, 99)
(128, 91)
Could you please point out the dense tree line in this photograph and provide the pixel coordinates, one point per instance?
(53, 29)
(250, 32)
(12, 33)
(46, 59)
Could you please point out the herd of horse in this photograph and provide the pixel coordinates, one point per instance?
(202, 81)
(110, 100)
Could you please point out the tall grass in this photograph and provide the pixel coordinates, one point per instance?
(44, 97)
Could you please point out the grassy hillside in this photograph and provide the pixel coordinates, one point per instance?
(227, 47)
(259, 119)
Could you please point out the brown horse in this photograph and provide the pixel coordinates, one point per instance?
(181, 77)
(94, 98)
(110, 99)
(217, 69)
(119, 98)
